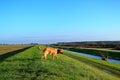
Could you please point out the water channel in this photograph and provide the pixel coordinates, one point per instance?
(96, 57)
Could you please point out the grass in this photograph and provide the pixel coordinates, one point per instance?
(103, 65)
(27, 65)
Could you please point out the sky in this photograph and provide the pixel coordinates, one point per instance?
(52, 21)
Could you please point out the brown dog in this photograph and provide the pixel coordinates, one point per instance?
(51, 51)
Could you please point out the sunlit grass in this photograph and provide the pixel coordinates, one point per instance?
(27, 65)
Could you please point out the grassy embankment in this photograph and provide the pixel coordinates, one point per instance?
(112, 68)
(109, 66)
(27, 65)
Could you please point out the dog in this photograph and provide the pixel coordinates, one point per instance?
(51, 51)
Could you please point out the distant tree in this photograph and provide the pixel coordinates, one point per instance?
(34, 43)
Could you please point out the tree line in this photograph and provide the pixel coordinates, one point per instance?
(92, 44)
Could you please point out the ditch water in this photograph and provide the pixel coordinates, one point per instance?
(96, 57)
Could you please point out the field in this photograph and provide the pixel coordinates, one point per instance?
(27, 65)
(8, 48)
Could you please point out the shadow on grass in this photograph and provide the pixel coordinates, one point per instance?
(6, 55)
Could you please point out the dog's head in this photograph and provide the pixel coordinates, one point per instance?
(61, 51)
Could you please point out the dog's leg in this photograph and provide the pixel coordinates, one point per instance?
(42, 56)
(55, 55)
(45, 54)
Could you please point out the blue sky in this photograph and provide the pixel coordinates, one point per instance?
(51, 21)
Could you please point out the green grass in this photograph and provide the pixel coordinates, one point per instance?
(27, 65)
(103, 65)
